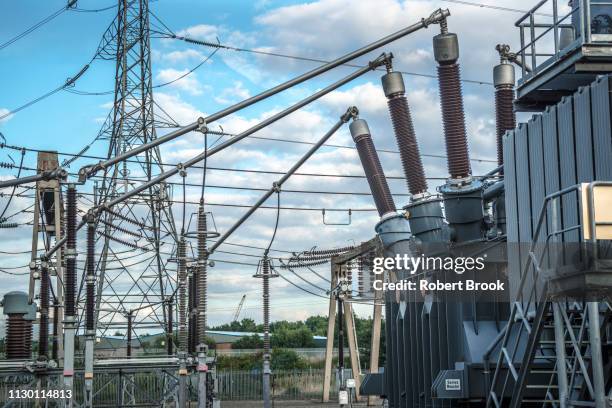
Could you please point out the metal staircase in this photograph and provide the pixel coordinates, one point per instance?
(551, 351)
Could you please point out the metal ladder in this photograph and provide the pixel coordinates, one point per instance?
(572, 362)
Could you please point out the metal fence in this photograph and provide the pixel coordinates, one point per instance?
(286, 384)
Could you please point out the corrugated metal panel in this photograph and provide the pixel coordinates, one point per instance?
(551, 156)
(536, 171)
(511, 213)
(583, 134)
(567, 160)
(602, 142)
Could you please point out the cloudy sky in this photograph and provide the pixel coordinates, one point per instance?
(324, 29)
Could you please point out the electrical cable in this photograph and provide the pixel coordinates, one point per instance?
(14, 188)
(36, 26)
(293, 57)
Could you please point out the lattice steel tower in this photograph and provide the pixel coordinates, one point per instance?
(133, 274)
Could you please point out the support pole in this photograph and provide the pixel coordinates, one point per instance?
(331, 326)
(375, 342)
(560, 354)
(266, 327)
(341, 382)
(352, 344)
(599, 386)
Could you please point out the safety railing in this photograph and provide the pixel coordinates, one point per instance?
(528, 310)
(586, 22)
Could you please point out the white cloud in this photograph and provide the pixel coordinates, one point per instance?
(4, 111)
(188, 82)
(182, 56)
(233, 94)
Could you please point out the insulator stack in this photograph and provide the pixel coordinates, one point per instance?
(503, 79)
(55, 344)
(446, 52)
(128, 350)
(70, 277)
(18, 325)
(192, 317)
(372, 167)
(43, 334)
(170, 329)
(15, 333)
(393, 85)
(182, 277)
(266, 306)
(89, 311)
(202, 275)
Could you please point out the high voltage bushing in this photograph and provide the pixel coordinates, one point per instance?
(395, 91)
(91, 242)
(43, 333)
(191, 326)
(505, 118)
(446, 52)
(70, 278)
(372, 167)
(15, 307)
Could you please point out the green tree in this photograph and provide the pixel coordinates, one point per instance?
(248, 342)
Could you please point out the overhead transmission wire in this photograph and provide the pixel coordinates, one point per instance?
(37, 25)
(2, 219)
(218, 45)
(493, 7)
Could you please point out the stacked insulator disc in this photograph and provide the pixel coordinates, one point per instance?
(393, 85)
(453, 119)
(16, 333)
(372, 167)
(504, 116)
(266, 305)
(89, 311)
(70, 277)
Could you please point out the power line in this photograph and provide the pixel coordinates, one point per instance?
(36, 26)
(490, 6)
(296, 57)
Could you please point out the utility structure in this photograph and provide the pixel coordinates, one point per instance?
(121, 210)
(543, 229)
(344, 262)
(135, 225)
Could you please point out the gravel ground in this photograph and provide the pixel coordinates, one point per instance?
(284, 404)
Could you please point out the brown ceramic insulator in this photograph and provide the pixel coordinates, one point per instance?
(43, 334)
(70, 277)
(182, 294)
(15, 334)
(407, 144)
(375, 175)
(453, 119)
(504, 116)
(89, 301)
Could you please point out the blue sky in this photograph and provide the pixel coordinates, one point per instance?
(324, 29)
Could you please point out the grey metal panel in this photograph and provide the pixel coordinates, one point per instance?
(523, 183)
(567, 160)
(536, 171)
(400, 356)
(602, 139)
(583, 134)
(523, 193)
(551, 155)
(511, 213)
(427, 351)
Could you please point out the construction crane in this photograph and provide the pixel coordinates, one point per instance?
(239, 308)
